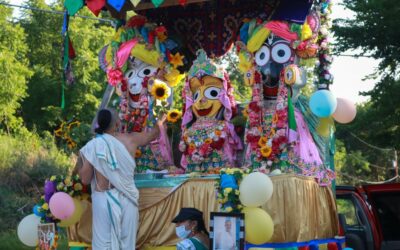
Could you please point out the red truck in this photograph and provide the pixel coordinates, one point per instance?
(370, 216)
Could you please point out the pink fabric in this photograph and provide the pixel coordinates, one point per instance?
(292, 135)
(188, 115)
(282, 29)
(305, 148)
(165, 146)
(124, 52)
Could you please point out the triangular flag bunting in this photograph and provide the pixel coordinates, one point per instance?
(95, 6)
(116, 4)
(73, 6)
(157, 2)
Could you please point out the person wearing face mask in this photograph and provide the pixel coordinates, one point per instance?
(190, 228)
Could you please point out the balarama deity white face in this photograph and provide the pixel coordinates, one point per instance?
(137, 72)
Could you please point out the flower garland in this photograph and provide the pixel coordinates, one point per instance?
(325, 78)
(203, 142)
(71, 185)
(228, 189)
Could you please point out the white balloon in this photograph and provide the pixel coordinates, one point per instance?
(28, 230)
(255, 189)
(275, 172)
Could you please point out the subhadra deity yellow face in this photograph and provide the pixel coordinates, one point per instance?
(205, 96)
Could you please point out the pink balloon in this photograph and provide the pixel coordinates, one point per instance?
(345, 111)
(61, 205)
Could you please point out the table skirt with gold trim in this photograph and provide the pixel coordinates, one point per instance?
(300, 208)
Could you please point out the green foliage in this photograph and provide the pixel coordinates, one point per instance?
(14, 70)
(9, 241)
(373, 31)
(26, 161)
(82, 98)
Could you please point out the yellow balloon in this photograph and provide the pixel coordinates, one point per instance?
(75, 217)
(259, 226)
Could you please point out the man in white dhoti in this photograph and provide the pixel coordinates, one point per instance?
(226, 240)
(107, 163)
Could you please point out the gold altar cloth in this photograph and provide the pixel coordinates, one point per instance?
(300, 208)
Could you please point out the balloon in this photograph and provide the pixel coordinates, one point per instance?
(345, 111)
(275, 172)
(28, 230)
(75, 217)
(323, 103)
(49, 188)
(37, 212)
(255, 190)
(347, 248)
(61, 205)
(259, 226)
(332, 246)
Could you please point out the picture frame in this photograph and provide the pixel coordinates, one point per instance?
(47, 236)
(226, 231)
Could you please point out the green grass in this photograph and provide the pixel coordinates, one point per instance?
(9, 241)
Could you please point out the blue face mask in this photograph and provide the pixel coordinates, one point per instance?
(181, 232)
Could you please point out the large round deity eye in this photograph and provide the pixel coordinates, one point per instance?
(281, 53)
(196, 95)
(147, 71)
(262, 56)
(212, 93)
(130, 73)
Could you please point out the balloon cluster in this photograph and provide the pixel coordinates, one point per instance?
(56, 205)
(255, 190)
(323, 104)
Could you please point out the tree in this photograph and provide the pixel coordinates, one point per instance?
(375, 133)
(42, 108)
(14, 70)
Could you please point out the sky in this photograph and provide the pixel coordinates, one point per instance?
(348, 72)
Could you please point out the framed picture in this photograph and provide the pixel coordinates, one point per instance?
(226, 231)
(47, 236)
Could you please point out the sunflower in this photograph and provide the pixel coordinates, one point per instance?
(266, 151)
(174, 115)
(160, 90)
(262, 141)
(208, 141)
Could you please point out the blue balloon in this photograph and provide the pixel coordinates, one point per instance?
(323, 103)
(348, 248)
(37, 212)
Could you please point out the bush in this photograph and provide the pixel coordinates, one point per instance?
(25, 163)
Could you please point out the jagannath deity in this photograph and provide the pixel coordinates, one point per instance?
(209, 140)
(277, 135)
(138, 56)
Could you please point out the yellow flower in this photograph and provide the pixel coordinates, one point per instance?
(45, 206)
(160, 90)
(138, 153)
(67, 181)
(174, 77)
(60, 186)
(176, 60)
(262, 141)
(237, 192)
(227, 190)
(266, 151)
(192, 146)
(239, 206)
(78, 187)
(174, 115)
(208, 141)
(53, 178)
(245, 112)
(229, 171)
(228, 209)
